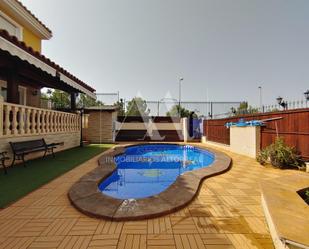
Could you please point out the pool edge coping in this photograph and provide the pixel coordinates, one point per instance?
(85, 196)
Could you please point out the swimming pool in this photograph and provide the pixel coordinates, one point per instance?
(147, 170)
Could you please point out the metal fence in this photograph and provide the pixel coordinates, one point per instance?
(216, 109)
(63, 100)
(108, 98)
(287, 105)
(290, 105)
(200, 108)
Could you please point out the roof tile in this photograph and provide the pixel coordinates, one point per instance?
(33, 16)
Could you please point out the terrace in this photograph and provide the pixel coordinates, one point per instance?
(227, 213)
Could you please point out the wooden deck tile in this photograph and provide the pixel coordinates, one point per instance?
(135, 227)
(11, 226)
(46, 242)
(183, 225)
(10, 212)
(245, 241)
(159, 226)
(104, 241)
(189, 241)
(59, 227)
(108, 227)
(215, 239)
(17, 243)
(34, 227)
(84, 226)
(75, 242)
(160, 241)
(51, 212)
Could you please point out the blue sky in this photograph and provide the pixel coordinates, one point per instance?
(224, 49)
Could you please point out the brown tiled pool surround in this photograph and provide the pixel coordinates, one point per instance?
(87, 198)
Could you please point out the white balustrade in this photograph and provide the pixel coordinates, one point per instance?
(22, 120)
(47, 122)
(28, 113)
(33, 123)
(14, 121)
(7, 123)
(43, 121)
(38, 121)
(51, 122)
(18, 120)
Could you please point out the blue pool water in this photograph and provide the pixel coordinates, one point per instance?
(146, 170)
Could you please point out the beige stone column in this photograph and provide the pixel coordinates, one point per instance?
(185, 129)
(245, 140)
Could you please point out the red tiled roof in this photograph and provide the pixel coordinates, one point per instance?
(33, 15)
(23, 46)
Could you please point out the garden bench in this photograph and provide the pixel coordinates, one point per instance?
(21, 149)
(3, 158)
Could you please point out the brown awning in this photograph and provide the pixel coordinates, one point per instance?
(19, 49)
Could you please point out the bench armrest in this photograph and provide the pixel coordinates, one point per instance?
(2, 154)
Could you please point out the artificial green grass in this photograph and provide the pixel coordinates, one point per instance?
(22, 180)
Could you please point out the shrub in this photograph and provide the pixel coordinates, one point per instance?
(280, 155)
(263, 156)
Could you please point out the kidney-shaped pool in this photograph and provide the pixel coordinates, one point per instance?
(147, 170)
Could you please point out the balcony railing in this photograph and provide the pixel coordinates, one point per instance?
(20, 120)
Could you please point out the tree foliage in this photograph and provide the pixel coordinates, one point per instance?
(244, 108)
(62, 100)
(174, 112)
(86, 101)
(121, 110)
(59, 99)
(137, 107)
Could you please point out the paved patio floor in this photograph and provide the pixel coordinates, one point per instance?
(226, 214)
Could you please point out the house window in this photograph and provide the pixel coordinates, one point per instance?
(22, 92)
(10, 26)
(3, 93)
(3, 90)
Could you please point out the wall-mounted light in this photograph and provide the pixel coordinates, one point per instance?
(307, 95)
(233, 110)
(35, 93)
(282, 103)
